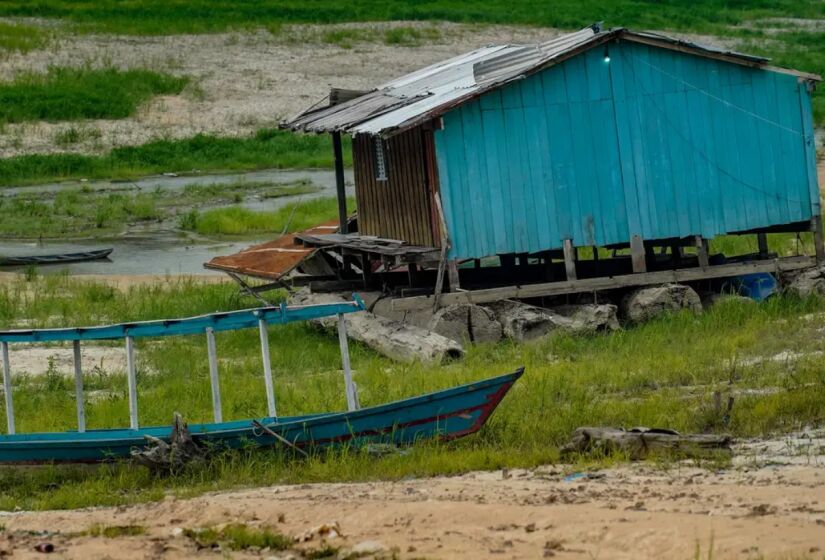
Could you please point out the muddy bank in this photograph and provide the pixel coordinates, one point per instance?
(770, 503)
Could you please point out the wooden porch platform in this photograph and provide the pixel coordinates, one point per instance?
(390, 251)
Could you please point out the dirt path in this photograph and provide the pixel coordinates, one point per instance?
(242, 81)
(770, 504)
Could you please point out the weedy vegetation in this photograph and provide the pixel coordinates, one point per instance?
(236, 220)
(20, 38)
(69, 94)
(662, 373)
(237, 536)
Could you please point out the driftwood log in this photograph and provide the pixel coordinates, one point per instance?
(396, 340)
(639, 442)
(163, 457)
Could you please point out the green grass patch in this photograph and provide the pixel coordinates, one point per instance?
(84, 212)
(236, 220)
(662, 374)
(268, 148)
(69, 94)
(237, 536)
(158, 17)
(17, 37)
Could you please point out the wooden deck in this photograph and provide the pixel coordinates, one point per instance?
(390, 251)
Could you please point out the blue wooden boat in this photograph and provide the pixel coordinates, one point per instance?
(446, 414)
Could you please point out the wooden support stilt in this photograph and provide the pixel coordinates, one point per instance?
(819, 241)
(212, 350)
(340, 187)
(270, 389)
(676, 254)
(7, 389)
(570, 259)
(78, 389)
(352, 394)
(702, 251)
(131, 375)
(762, 242)
(638, 257)
(452, 274)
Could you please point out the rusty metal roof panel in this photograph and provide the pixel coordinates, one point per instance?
(271, 260)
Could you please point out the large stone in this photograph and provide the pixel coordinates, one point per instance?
(806, 283)
(589, 317)
(644, 304)
(466, 322)
(520, 321)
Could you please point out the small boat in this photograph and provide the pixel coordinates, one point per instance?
(446, 414)
(62, 258)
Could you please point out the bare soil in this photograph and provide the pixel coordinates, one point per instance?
(241, 81)
(770, 503)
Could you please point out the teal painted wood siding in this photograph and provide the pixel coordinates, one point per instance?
(654, 143)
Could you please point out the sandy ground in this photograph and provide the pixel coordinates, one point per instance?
(240, 81)
(769, 504)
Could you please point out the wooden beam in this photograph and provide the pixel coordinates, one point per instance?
(80, 401)
(762, 241)
(452, 274)
(7, 389)
(702, 251)
(606, 283)
(340, 187)
(570, 260)
(819, 243)
(638, 257)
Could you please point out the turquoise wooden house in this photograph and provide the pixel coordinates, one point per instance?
(600, 138)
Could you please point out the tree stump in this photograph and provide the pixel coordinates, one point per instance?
(166, 458)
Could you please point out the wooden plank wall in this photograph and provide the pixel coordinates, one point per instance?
(400, 207)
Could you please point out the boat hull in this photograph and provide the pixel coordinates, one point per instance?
(63, 258)
(447, 414)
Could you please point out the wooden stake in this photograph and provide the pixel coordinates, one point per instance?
(131, 375)
(638, 256)
(270, 390)
(570, 259)
(7, 389)
(819, 242)
(352, 395)
(78, 389)
(452, 272)
(213, 374)
(702, 251)
(762, 241)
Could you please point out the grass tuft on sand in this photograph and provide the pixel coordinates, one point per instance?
(69, 94)
(21, 38)
(663, 374)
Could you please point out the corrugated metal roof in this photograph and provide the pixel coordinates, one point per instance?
(421, 95)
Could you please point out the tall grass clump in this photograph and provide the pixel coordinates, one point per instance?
(236, 220)
(17, 37)
(68, 94)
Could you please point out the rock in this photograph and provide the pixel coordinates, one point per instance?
(520, 321)
(644, 304)
(366, 548)
(590, 317)
(806, 283)
(466, 322)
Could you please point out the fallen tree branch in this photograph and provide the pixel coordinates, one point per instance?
(639, 442)
(162, 457)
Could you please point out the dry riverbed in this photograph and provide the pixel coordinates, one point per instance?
(242, 81)
(769, 504)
